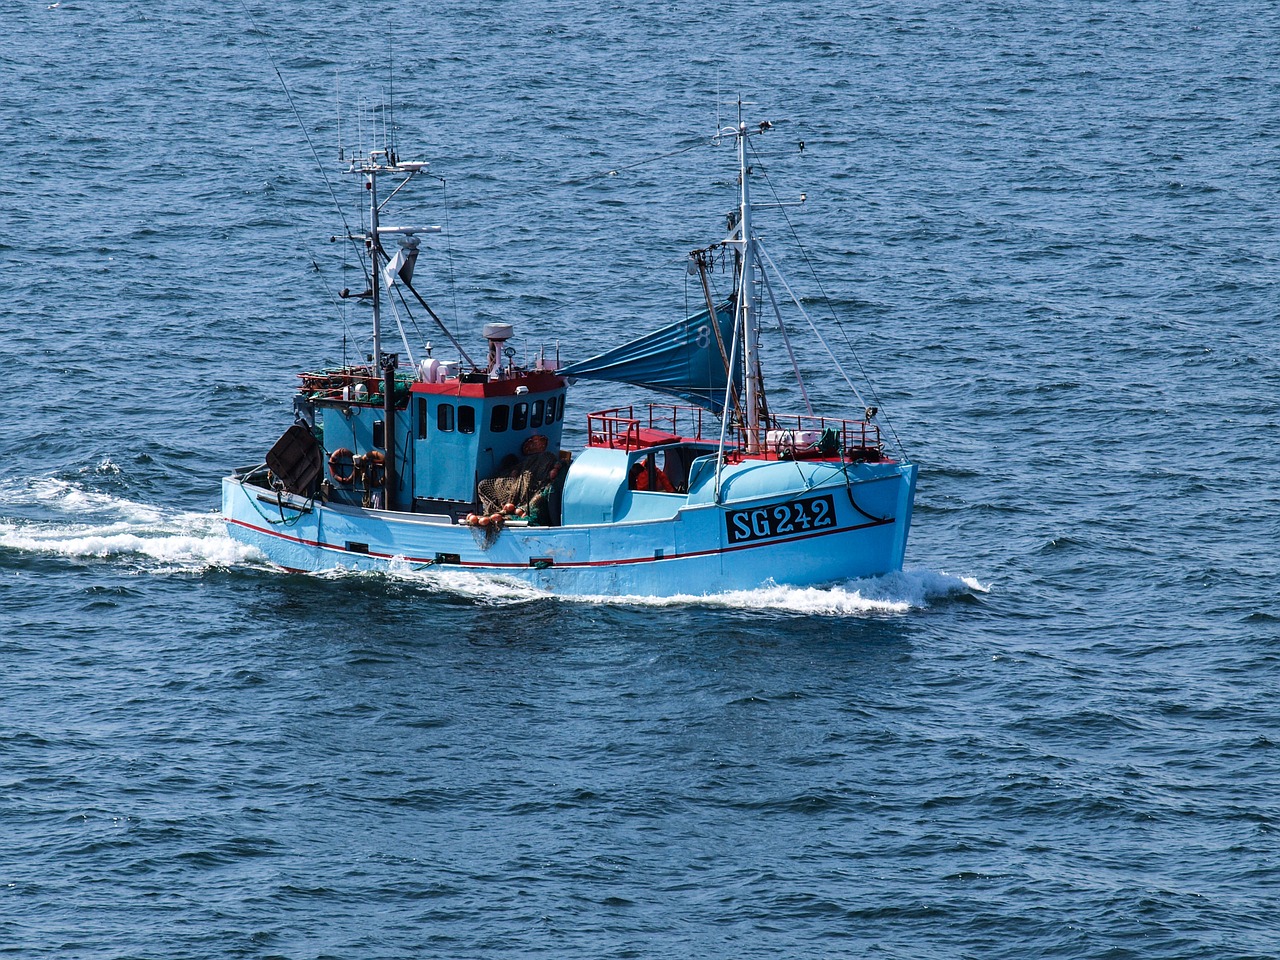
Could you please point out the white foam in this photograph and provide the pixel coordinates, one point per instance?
(894, 593)
(484, 588)
(66, 497)
(96, 524)
(173, 549)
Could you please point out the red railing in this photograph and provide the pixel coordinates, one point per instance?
(785, 437)
(620, 428)
(615, 428)
(801, 436)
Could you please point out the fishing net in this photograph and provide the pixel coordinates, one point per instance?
(519, 485)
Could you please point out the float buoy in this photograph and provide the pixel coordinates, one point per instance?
(375, 468)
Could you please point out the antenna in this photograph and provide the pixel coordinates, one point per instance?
(717, 100)
(359, 127)
(391, 90)
(337, 96)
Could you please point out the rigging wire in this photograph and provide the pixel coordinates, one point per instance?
(448, 252)
(831, 309)
(301, 126)
(786, 339)
(529, 190)
(576, 181)
(812, 326)
(400, 326)
(336, 299)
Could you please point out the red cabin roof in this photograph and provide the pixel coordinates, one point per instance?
(464, 386)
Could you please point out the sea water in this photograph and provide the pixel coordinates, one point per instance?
(1045, 233)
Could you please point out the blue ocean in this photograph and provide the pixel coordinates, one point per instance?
(1048, 235)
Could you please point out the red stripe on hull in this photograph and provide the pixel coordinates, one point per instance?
(567, 565)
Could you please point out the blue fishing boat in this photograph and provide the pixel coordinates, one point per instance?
(457, 464)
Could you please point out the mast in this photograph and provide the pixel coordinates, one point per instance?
(748, 316)
(400, 268)
(382, 161)
(377, 163)
(371, 171)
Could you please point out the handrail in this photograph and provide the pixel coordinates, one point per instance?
(605, 428)
(785, 435)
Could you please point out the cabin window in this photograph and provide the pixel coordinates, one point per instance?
(498, 419)
(539, 410)
(466, 419)
(520, 416)
(422, 418)
(444, 417)
(551, 410)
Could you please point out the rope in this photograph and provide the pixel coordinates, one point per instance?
(786, 340)
(699, 142)
(253, 502)
(848, 489)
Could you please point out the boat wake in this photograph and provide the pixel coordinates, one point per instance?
(892, 594)
(483, 589)
(53, 517)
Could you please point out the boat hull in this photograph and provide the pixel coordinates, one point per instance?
(812, 535)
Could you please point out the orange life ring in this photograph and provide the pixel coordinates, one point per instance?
(335, 461)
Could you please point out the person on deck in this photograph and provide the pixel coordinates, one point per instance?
(647, 475)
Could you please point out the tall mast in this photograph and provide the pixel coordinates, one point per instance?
(383, 161)
(748, 315)
(371, 184)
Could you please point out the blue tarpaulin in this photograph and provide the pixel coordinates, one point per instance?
(683, 358)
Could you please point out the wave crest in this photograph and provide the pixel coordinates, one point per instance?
(892, 594)
(101, 525)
